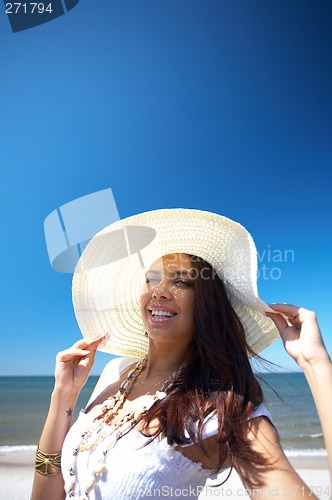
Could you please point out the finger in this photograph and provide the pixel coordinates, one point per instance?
(83, 344)
(296, 315)
(95, 344)
(288, 309)
(292, 314)
(279, 321)
(69, 354)
(92, 348)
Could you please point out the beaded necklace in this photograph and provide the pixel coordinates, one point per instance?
(101, 430)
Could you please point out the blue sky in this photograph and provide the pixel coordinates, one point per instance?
(221, 105)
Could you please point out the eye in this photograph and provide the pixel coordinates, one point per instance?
(185, 283)
(152, 281)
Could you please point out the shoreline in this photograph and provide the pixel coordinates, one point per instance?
(26, 459)
(16, 476)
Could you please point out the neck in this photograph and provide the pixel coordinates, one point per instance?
(162, 364)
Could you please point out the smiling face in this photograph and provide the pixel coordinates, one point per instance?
(167, 302)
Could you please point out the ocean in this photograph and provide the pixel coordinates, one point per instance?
(24, 403)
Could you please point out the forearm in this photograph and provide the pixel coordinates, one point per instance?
(58, 422)
(71, 372)
(56, 427)
(319, 377)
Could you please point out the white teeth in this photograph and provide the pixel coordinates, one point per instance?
(161, 313)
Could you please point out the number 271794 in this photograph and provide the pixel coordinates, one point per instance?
(28, 8)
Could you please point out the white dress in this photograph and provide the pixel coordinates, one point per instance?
(135, 471)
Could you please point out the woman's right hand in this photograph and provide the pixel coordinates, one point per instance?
(74, 365)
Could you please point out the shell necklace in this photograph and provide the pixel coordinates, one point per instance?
(101, 430)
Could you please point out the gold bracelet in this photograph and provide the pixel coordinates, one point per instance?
(48, 463)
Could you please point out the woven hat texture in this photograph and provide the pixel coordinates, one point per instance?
(110, 274)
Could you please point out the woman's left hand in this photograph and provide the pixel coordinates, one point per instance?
(300, 333)
(303, 341)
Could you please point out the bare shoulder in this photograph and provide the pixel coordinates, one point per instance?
(263, 436)
(276, 473)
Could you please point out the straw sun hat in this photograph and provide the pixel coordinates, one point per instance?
(110, 274)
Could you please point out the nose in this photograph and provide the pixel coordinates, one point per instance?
(161, 290)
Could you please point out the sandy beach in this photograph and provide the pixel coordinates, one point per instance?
(16, 475)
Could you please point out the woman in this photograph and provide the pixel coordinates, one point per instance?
(174, 292)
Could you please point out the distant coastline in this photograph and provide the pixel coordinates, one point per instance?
(287, 396)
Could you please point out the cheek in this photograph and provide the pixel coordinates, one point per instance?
(144, 299)
(143, 305)
(185, 299)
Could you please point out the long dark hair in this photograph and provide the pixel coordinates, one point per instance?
(216, 376)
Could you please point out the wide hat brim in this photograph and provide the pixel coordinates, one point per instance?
(110, 275)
